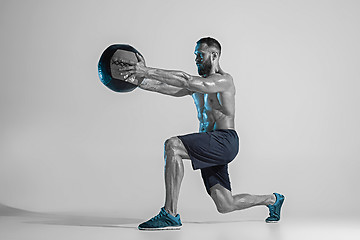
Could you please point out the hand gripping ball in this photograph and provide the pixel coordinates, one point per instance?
(110, 61)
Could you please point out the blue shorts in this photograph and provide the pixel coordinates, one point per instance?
(211, 152)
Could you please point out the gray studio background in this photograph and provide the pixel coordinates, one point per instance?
(69, 144)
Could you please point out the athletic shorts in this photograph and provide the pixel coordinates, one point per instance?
(211, 152)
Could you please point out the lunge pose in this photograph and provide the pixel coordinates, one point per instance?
(213, 147)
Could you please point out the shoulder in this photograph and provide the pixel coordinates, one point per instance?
(227, 76)
(228, 80)
(224, 79)
(222, 76)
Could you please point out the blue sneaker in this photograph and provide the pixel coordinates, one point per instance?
(162, 221)
(275, 209)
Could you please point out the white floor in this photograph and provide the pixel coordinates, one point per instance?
(68, 227)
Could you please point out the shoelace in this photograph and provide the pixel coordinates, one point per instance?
(157, 216)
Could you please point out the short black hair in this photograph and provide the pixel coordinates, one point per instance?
(211, 42)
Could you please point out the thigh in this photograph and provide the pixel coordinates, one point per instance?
(216, 175)
(208, 149)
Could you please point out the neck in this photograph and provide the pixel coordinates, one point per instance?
(215, 69)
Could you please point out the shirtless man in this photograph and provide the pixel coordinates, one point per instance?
(211, 149)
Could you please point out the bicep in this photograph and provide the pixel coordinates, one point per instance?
(182, 92)
(212, 84)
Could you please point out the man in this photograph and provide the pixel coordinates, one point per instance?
(211, 149)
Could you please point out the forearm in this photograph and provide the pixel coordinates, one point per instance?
(163, 88)
(169, 77)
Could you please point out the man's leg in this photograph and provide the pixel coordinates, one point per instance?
(225, 202)
(168, 219)
(175, 152)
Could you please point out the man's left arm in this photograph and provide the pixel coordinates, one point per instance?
(212, 84)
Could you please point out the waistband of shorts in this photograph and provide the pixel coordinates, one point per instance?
(228, 129)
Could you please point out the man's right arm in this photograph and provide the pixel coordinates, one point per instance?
(159, 87)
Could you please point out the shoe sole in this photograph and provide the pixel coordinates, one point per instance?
(161, 229)
(272, 221)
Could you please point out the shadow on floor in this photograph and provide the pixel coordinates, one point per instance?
(88, 221)
(217, 222)
(68, 219)
(65, 219)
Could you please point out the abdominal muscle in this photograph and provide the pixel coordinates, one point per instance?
(208, 122)
(215, 111)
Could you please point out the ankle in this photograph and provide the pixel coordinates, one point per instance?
(271, 200)
(172, 213)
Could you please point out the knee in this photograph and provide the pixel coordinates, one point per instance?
(171, 145)
(224, 209)
(222, 204)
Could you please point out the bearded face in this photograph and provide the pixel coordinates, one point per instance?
(204, 68)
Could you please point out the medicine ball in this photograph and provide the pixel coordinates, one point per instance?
(110, 61)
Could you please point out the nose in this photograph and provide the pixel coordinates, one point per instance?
(198, 59)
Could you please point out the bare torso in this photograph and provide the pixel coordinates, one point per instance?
(216, 110)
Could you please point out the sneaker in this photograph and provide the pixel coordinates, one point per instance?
(275, 209)
(162, 221)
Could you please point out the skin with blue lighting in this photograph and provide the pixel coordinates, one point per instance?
(213, 92)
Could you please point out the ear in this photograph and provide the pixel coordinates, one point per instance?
(214, 56)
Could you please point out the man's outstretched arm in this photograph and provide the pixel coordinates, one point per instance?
(212, 84)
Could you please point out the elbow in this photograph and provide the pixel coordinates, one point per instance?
(186, 85)
(186, 80)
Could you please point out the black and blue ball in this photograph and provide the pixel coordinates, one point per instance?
(110, 60)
